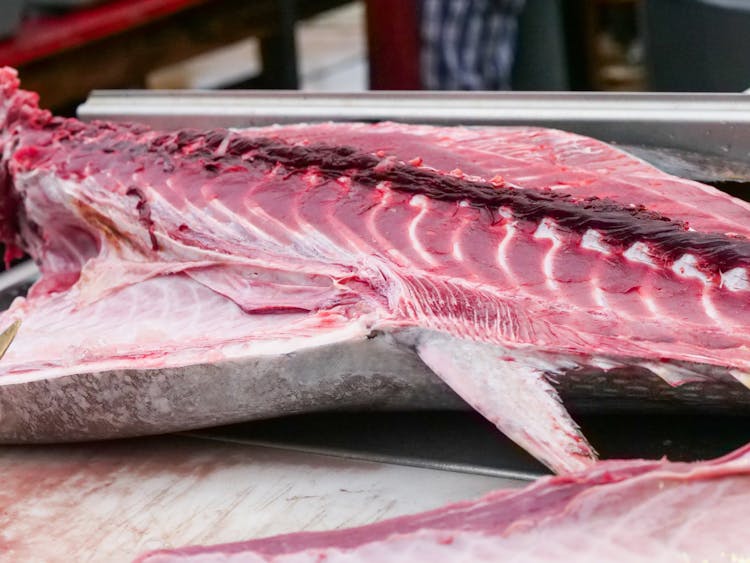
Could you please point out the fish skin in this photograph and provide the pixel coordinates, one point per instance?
(496, 242)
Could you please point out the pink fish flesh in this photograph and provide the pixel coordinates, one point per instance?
(179, 266)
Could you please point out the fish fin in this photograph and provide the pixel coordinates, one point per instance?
(674, 374)
(741, 376)
(8, 335)
(513, 393)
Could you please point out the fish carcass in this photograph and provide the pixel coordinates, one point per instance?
(502, 259)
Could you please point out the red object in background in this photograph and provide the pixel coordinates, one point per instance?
(393, 44)
(45, 36)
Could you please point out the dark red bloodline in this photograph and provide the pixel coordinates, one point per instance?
(619, 225)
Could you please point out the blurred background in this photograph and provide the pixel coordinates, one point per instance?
(65, 48)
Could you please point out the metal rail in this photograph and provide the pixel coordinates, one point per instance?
(711, 124)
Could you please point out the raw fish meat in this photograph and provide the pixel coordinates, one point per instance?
(203, 277)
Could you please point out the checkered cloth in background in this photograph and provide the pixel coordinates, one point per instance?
(468, 44)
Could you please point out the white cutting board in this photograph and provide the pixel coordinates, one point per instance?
(113, 501)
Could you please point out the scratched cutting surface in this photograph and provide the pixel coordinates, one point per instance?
(112, 501)
(109, 501)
